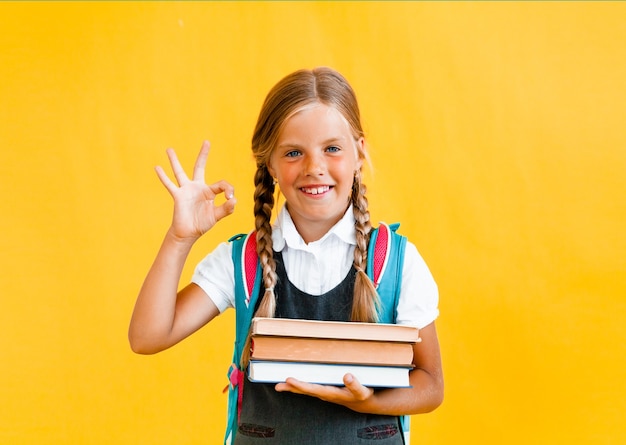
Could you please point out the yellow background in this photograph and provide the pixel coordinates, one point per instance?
(498, 141)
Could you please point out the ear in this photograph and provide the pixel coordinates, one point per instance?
(271, 171)
(361, 153)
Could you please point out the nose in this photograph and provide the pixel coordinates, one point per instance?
(315, 165)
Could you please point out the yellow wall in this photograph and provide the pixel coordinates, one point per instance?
(497, 137)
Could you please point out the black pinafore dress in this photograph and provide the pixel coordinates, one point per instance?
(271, 417)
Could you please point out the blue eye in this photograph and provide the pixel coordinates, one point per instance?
(292, 153)
(333, 149)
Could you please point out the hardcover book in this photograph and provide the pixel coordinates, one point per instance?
(334, 329)
(328, 374)
(328, 350)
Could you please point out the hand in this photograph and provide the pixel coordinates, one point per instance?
(195, 211)
(352, 395)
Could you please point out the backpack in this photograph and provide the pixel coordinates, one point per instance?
(385, 258)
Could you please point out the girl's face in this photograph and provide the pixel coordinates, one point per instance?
(314, 163)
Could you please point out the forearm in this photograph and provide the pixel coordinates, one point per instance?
(425, 394)
(153, 318)
(426, 379)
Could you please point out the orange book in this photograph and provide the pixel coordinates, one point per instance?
(287, 327)
(328, 350)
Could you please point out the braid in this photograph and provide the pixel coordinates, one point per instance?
(263, 204)
(366, 302)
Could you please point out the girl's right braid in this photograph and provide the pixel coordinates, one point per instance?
(263, 205)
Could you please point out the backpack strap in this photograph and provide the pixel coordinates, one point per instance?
(385, 258)
(247, 284)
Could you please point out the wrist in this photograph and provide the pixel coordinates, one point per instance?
(181, 242)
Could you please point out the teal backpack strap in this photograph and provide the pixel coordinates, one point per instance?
(385, 259)
(247, 283)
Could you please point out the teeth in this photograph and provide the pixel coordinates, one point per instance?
(316, 190)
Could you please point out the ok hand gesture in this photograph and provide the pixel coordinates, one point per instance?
(195, 211)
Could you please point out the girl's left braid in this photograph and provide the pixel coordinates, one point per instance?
(365, 303)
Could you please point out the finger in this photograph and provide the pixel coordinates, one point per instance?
(296, 386)
(198, 168)
(324, 392)
(223, 187)
(179, 173)
(359, 392)
(165, 180)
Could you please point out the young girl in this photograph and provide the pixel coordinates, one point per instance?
(309, 142)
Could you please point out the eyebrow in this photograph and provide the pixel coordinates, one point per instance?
(326, 142)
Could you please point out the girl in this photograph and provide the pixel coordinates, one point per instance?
(309, 142)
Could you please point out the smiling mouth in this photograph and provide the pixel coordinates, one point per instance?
(315, 190)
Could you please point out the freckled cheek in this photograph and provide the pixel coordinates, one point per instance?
(288, 176)
(346, 173)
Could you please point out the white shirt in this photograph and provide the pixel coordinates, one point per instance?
(326, 263)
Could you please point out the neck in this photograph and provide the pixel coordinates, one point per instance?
(312, 230)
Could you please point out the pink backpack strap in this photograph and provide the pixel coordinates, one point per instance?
(381, 250)
(250, 261)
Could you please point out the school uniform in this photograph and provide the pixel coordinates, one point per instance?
(324, 292)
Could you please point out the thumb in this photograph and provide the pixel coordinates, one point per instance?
(226, 208)
(359, 391)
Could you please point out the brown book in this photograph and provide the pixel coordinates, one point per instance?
(287, 327)
(328, 350)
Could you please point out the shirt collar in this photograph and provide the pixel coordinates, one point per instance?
(284, 231)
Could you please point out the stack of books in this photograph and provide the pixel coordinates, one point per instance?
(377, 354)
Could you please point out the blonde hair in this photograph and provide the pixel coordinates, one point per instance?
(295, 91)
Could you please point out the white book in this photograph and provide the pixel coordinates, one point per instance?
(329, 373)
